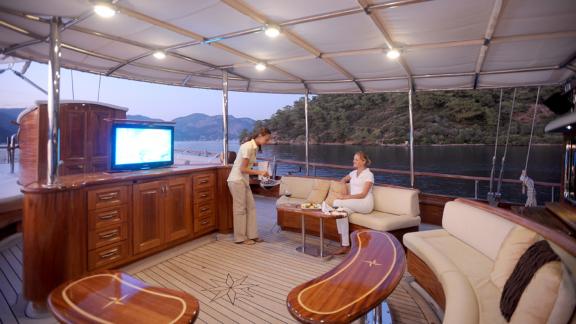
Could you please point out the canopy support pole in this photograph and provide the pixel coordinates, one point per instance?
(225, 117)
(410, 93)
(307, 148)
(53, 140)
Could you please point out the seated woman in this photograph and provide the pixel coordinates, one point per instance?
(360, 199)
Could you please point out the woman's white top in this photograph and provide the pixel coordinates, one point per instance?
(357, 182)
(247, 151)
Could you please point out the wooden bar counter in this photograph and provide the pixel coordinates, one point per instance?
(98, 221)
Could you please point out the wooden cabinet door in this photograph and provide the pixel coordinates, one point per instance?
(148, 215)
(99, 131)
(177, 206)
(72, 139)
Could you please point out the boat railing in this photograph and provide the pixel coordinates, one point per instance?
(9, 150)
(476, 179)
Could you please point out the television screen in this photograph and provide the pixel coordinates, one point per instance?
(137, 146)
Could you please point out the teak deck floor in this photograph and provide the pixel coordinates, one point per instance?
(234, 283)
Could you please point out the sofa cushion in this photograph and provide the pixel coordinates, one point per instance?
(548, 298)
(299, 187)
(289, 200)
(516, 243)
(319, 191)
(336, 188)
(380, 221)
(472, 225)
(397, 201)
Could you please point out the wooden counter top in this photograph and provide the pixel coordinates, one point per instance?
(78, 181)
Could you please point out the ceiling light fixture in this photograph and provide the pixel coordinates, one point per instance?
(104, 9)
(159, 55)
(272, 31)
(393, 54)
(260, 66)
(569, 127)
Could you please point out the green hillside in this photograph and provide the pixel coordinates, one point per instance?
(450, 117)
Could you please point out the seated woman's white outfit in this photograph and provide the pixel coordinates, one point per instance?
(363, 206)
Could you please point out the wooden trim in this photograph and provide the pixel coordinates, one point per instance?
(426, 278)
(375, 257)
(559, 238)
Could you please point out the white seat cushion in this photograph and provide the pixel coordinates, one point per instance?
(299, 187)
(380, 221)
(399, 201)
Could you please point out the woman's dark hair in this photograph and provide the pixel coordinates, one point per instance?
(364, 157)
(260, 131)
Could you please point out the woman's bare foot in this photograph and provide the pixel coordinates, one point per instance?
(342, 250)
(249, 242)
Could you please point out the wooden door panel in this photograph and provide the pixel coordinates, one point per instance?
(99, 131)
(148, 216)
(72, 133)
(178, 215)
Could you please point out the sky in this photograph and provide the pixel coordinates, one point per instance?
(149, 99)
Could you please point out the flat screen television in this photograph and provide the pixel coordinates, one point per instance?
(141, 146)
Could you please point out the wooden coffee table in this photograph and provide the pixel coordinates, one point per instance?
(115, 297)
(309, 249)
(355, 288)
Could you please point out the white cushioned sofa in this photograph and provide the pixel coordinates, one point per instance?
(465, 265)
(396, 209)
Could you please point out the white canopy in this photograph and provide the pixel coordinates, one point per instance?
(325, 46)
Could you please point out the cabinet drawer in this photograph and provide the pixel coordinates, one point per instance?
(107, 255)
(107, 216)
(107, 235)
(203, 194)
(204, 180)
(204, 216)
(107, 197)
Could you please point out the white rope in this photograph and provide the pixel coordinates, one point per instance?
(496, 143)
(498, 192)
(527, 182)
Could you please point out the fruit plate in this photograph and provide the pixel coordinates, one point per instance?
(309, 206)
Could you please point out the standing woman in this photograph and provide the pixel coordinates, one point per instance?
(244, 208)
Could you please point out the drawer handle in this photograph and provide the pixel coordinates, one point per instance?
(204, 209)
(109, 215)
(109, 234)
(204, 181)
(204, 222)
(79, 166)
(109, 254)
(203, 195)
(108, 196)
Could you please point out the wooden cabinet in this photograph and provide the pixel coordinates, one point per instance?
(84, 139)
(204, 188)
(161, 212)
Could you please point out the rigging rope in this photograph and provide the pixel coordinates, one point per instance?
(527, 182)
(491, 193)
(498, 190)
(72, 78)
(99, 81)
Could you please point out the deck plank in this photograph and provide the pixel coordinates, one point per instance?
(12, 277)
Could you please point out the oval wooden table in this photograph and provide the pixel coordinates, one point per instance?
(115, 297)
(357, 286)
(316, 213)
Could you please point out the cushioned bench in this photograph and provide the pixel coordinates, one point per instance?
(465, 266)
(396, 209)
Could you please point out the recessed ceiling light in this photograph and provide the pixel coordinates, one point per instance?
(569, 127)
(260, 66)
(272, 31)
(159, 55)
(393, 54)
(104, 9)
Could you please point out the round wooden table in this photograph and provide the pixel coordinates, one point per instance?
(115, 297)
(355, 288)
(295, 208)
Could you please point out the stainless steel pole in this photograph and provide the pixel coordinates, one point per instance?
(225, 116)
(53, 140)
(411, 137)
(307, 148)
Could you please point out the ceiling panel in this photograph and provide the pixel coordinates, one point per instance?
(442, 60)
(521, 17)
(370, 65)
(315, 69)
(262, 47)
